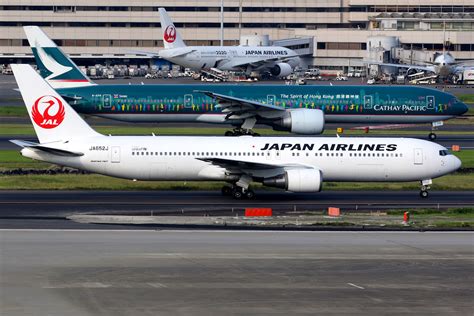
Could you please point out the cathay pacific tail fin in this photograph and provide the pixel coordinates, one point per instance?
(53, 119)
(171, 37)
(54, 65)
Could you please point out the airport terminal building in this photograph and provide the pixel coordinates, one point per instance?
(330, 34)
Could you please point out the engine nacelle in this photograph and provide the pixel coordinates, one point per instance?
(281, 70)
(301, 121)
(297, 180)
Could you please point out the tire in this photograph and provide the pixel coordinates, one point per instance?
(432, 136)
(226, 190)
(424, 194)
(237, 194)
(249, 194)
(229, 133)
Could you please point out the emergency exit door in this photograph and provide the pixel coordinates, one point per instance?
(271, 98)
(115, 154)
(418, 156)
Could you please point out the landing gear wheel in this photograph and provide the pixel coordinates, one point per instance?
(237, 194)
(432, 136)
(249, 194)
(226, 190)
(240, 132)
(424, 194)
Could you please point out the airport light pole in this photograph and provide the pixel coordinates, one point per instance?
(222, 22)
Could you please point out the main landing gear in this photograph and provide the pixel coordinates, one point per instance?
(240, 189)
(244, 129)
(425, 186)
(237, 192)
(241, 132)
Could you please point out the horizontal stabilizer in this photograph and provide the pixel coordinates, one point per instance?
(48, 149)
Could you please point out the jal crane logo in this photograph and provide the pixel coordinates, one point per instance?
(170, 34)
(48, 112)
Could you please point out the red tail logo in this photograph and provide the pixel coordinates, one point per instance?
(170, 34)
(48, 112)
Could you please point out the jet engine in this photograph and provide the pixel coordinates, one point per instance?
(281, 70)
(301, 121)
(297, 180)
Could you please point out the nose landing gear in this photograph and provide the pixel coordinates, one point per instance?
(434, 126)
(425, 186)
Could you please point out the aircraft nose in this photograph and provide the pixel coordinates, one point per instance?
(455, 163)
(461, 108)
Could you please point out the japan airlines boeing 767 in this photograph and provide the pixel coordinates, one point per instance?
(292, 163)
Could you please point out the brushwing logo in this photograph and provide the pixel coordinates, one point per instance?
(170, 34)
(48, 112)
(51, 64)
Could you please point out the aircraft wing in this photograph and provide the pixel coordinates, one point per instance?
(419, 67)
(46, 148)
(240, 166)
(142, 52)
(237, 108)
(164, 53)
(175, 52)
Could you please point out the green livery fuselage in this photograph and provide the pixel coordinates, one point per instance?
(343, 103)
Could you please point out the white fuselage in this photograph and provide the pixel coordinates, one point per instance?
(233, 58)
(178, 158)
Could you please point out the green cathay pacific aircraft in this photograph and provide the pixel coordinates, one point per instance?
(298, 109)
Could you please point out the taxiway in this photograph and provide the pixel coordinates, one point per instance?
(54, 272)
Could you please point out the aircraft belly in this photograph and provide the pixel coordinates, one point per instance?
(402, 118)
(172, 118)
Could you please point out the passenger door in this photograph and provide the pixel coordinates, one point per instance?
(368, 100)
(115, 154)
(188, 101)
(107, 101)
(418, 156)
(430, 102)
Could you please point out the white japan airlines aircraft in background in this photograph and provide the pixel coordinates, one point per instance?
(279, 61)
(295, 164)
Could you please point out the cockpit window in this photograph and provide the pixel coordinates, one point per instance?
(444, 152)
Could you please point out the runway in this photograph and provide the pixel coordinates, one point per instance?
(23, 209)
(54, 272)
